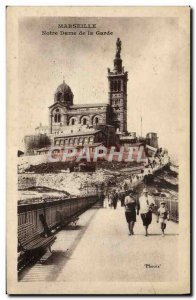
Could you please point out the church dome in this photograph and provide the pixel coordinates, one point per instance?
(64, 94)
(64, 88)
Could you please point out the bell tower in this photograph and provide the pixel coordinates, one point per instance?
(117, 94)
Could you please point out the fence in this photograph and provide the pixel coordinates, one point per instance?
(172, 206)
(30, 213)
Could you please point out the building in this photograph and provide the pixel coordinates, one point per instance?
(63, 112)
(41, 129)
(128, 140)
(82, 124)
(88, 137)
(152, 139)
(93, 124)
(36, 141)
(117, 95)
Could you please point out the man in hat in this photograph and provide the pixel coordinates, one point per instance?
(146, 204)
(162, 216)
(130, 211)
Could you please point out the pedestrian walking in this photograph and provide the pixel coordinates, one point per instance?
(130, 211)
(114, 199)
(121, 197)
(110, 199)
(162, 216)
(146, 204)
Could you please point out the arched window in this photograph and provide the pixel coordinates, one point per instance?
(72, 122)
(96, 120)
(57, 116)
(84, 121)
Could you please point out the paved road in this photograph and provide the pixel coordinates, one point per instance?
(100, 249)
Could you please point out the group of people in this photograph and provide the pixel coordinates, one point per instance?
(114, 196)
(145, 206)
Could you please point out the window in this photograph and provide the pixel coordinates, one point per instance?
(115, 85)
(72, 122)
(119, 84)
(59, 96)
(84, 121)
(96, 120)
(57, 116)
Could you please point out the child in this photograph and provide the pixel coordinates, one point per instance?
(162, 216)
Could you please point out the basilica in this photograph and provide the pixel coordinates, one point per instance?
(88, 124)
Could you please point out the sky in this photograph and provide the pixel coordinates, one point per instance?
(151, 54)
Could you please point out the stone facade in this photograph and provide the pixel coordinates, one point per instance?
(117, 95)
(152, 139)
(104, 134)
(78, 124)
(63, 112)
(61, 115)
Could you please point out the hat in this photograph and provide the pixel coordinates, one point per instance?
(145, 190)
(162, 202)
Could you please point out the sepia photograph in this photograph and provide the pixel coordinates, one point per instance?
(98, 150)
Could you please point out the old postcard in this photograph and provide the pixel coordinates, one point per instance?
(98, 178)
